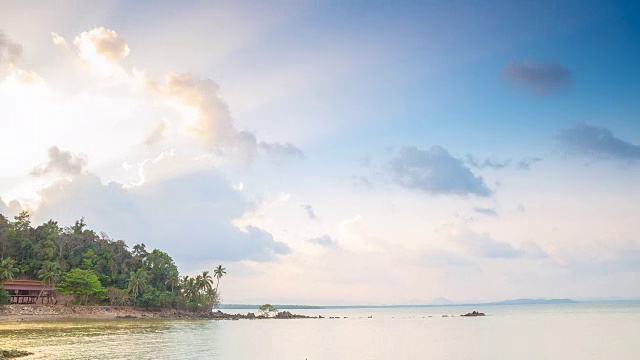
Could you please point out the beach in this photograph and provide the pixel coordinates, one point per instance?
(13, 313)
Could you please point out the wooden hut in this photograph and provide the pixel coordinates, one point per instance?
(30, 292)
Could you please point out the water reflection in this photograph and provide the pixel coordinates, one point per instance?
(122, 339)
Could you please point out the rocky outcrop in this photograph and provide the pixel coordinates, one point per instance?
(288, 315)
(11, 354)
(473, 313)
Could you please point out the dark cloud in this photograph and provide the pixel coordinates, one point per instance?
(188, 216)
(485, 211)
(487, 163)
(62, 162)
(10, 51)
(539, 78)
(324, 240)
(310, 212)
(597, 143)
(434, 171)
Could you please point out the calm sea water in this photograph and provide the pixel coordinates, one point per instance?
(575, 331)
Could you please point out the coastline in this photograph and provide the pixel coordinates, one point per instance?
(18, 313)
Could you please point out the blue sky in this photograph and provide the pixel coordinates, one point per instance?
(337, 153)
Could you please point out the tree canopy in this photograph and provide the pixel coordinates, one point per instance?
(97, 269)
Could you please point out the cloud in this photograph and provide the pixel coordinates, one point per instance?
(434, 171)
(485, 211)
(10, 51)
(538, 78)
(158, 134)
(310, 212)
(98, 42)
(277, 149)
(189, 216)
(483, 246)
(597, 143)
(324, 240)
(62, 162)
(487, 163)
(215, 127)
(525, 164)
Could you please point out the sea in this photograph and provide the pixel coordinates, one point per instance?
(578, 331)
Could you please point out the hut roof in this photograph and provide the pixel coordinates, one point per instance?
(26, 285)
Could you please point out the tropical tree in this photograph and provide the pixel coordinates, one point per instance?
(267, 309)
(82, 284)
(8, 269)
(218, 273)
(117, 296)
(211, 299)
(137, 283)
(48, 274)
(206, 281)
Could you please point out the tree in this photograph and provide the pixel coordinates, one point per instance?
(267, 309)
(5, 298)
(205, 282)
(8, 269)
(117, 296)
(218, 273)
(161, 269)
(48, 274)
(137, 283)
(82, 284)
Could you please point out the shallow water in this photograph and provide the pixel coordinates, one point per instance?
(572, 331)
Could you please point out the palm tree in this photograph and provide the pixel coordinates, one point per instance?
(206, 282)
(173, 281)
(7, 269)
(218, 273)
(137, 283)
(49, 273)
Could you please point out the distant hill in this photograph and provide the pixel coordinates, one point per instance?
(532, 302)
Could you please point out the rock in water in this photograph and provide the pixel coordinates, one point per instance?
(10, 354)
(473, 313)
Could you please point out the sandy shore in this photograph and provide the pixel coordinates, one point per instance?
(13, 313)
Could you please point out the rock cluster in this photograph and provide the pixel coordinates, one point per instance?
(288, 315)
(473, 313)
(10, 354)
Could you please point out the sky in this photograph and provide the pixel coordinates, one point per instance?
(364, 152)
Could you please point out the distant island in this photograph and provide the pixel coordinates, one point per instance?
(533, 302)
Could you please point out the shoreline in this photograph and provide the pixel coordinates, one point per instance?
(19, 313)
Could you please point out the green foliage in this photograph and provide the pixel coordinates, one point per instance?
(267, 309)
(198, 293)
(219, 273)
(49, 273)
(161, 269)
(8, 270)
(4, 297)
(82, 284)
(89, 263)
(137, 283)
(156, 298)
(117, 297)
